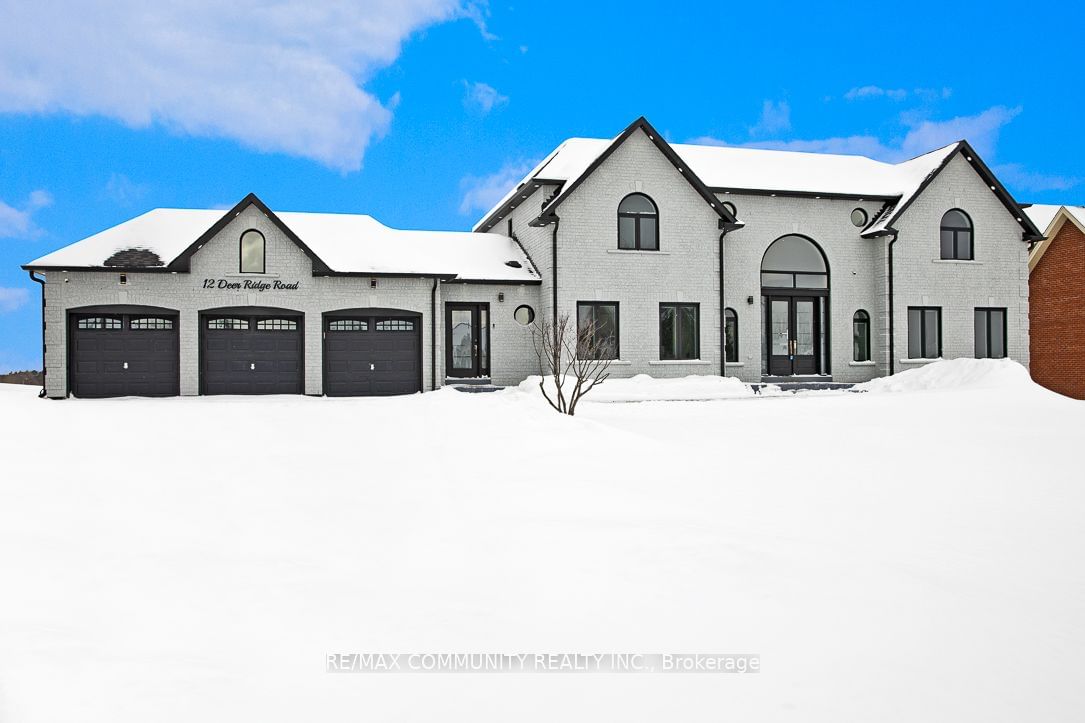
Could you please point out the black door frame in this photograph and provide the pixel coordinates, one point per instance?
(252, 313)
(125, 311)
(480, 363)
(821, 335)
(369, 314)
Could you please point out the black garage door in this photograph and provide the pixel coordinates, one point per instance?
(372, 355)
(120, 355)
(243, 353)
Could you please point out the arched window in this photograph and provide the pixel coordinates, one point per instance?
(860, 336)
(794, 262)
(957, 236)
(730, 335)
(638, 223)
(252, 252)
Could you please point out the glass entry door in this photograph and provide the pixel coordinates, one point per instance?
(793, 326)
(467, 340)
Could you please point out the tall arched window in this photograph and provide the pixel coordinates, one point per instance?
(638, 223)
(860, 336)
(730, 335)
(957, 236)
(252, 252)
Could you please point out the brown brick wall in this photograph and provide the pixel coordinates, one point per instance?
(1057, 314)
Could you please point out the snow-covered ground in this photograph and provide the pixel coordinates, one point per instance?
(911, 553)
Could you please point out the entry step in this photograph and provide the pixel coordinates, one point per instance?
(471, 384)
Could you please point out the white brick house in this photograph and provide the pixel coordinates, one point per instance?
(877, 227)
(762, 265)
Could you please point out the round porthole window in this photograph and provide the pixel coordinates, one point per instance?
(859, 218)
(730, 208)
(524, 315)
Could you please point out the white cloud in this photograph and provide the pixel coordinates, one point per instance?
(873, 91)
(482, 97)
(480, 193)
(285, 77)
(981, 130)
(1018, 177)
(897, 94)
(775, 118)
(19, 222)
(12, 299)
(123, 190)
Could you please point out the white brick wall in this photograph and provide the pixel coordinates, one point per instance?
(998, 277)
(856, 277)
(286, 262)
(686, 268)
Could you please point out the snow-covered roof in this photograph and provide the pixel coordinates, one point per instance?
(1045, 217)
(753, 169)
(1043, 214)
(346, 243)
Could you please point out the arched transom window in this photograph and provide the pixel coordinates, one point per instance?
(957, 236)
(638, 223)
(794, 262)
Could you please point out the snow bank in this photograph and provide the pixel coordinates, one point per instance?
(955, 374)
(645, 388)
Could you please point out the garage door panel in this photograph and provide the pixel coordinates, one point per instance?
(123, 360)
(249, 360)
(365, 359)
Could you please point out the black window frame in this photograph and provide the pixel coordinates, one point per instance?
(864, 322)
(241, 253)
(679, 340)
(150, 323)
(227, 323)
(617, 323)
(276, 324)
(956, 231)
(530, 314)
(730, 341)
(923, 331)
(393, 325)
(987, 311)
(347, 326)
(638, 218)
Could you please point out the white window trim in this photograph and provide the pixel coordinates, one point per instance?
(734, 364)
(957, 261)
(868, 363)
(908, 360)
(678, 362)
(639, 252)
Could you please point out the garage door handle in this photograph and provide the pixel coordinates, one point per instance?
(126, 365)
(252, 366)
(372, 367)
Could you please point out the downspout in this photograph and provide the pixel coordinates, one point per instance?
(433, 335)
(723, 320)
(41, 394)
(892, 315)
(554, 264)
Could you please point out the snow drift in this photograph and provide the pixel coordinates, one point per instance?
(645, 388)
(955, 374)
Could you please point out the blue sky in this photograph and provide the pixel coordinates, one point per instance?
(419, 112)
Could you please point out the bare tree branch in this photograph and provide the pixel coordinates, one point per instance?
(584, 353)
